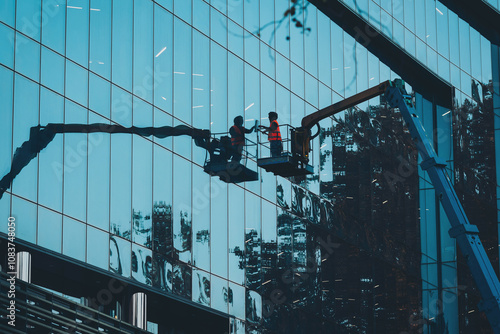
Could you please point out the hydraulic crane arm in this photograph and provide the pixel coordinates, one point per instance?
(465, 233)
(302, 135)
(41, 136)
(309, 121)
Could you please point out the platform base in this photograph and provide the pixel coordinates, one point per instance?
(285, 166)
(230, 172)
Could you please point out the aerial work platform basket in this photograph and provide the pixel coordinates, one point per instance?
(288, 163)
(222, 161)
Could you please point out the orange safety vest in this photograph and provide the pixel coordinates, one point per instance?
(274, 134)
(239, 138)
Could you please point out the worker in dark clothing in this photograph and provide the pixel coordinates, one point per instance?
(237, 132)
(273, 134)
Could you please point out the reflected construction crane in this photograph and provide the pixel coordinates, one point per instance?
(41, 136)
(465, 233)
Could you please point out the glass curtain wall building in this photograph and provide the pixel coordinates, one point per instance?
(360, 246)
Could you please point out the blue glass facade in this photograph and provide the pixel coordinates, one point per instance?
(276, 253)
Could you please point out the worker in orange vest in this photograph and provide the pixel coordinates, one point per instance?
(237, 132)
(273, 134)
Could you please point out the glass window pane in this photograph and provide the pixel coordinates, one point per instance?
(99, 95)
(100, 37)
(218, 228)
(297, 41)
(235, 11)
(398, 33)
(142, 264)
(201, 89)
(201, 220)
(181, 209)
(168, 4)
(6, 76)
(28, 18)
(74, 238)
(163, 46)
(324, 50)
(119, 256)
(475, 50)
(75, 169)
(236, 234)
(297, 78)
(201, 287)
(121, 187)
(252, 241)
(143, 48)
(202, 16)
(311, 42)
(54, 25)
(26, 219)
(235, 88)
(98, 248)
(251, 14)
(77, 31)
(430, 23)
(267, 60)
(122, 43)
(182, 71)
(237, 302)
(5, 211)
(162, 203)
(49, 229)
(98, 176)
(337, 59)
(464, 46)
(218, 27)
(121, 106)
(52, 74)
(442, 28)
(8, 12)
(51, 161)
(251, 49)
(486, 61)
(282, 32)
(410, 42)
(27, 57)
(420, 19)
(26, 97)
(163, 119)
(218, 89)
(142, 191)
(182, 9)
(76, 83)
(219, 294)
(311, 89)
(235, 39)
(7, 42)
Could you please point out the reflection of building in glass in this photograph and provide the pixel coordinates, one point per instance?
(361, 246)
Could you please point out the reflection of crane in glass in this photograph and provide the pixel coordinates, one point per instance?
(41, 136)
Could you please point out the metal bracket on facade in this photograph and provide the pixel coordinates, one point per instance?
(463, 229)
(431, 162)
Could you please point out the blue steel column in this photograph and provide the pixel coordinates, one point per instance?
(465, 233)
